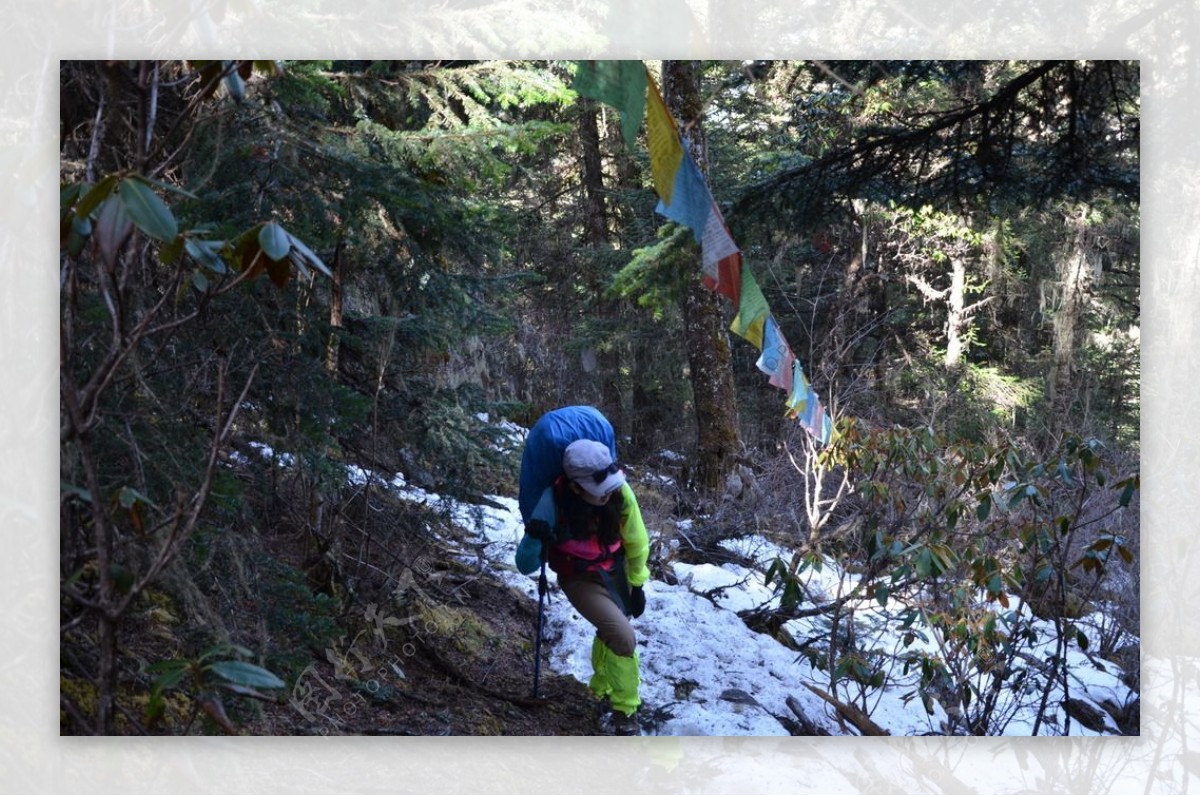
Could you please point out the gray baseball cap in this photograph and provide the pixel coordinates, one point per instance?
(591, 465)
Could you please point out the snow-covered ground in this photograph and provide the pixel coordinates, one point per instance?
(715, 676)
(704, 672)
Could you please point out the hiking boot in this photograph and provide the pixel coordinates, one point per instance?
(625, 724)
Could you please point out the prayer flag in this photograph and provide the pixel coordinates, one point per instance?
(811, 417)
(797, 400)
(777, 357)
(721, 258)
(685, 198)
(621, 84)
(691, 202)
(662, 136)
(752, 311)
(815, 419)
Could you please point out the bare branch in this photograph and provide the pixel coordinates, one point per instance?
(927, 289)
(183, 525)
(98, 130)
(88, 398)
(825, 69)
(151, 110)
(978, 305)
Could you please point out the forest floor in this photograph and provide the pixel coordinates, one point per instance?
(433, 646)
(450, 651)
(475, 678)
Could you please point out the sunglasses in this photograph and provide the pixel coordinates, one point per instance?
(599, 476)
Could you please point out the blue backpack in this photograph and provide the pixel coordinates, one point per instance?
(541, 462)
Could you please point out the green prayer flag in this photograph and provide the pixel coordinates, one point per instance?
(621, 84)
(752, 310)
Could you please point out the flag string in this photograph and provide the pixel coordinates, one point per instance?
(685, 198)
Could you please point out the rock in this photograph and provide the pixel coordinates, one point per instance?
(1128, 716)
(738, 697)
(1088, 715)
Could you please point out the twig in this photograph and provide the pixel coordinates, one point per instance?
(183, 524)
(806, 724)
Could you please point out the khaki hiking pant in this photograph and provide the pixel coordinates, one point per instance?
(614, 653)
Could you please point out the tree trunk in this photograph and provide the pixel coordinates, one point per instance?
(335, 312)
(1075, 274)
(959, 313)
(956, 315)
(707, 341)
(847, 323)
(594, 215)
(595, 223)
(638, 408)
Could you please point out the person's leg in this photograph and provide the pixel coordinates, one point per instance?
(617, 677)
(590, 597)
(614, 652)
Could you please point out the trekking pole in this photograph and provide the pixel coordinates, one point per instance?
(537, 647)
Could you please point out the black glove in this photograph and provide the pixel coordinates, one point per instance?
(637, 601)
(540, 530)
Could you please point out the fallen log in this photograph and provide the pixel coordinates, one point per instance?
(850, 713)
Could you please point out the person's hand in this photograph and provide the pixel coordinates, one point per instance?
(637, 601)
(540, 530)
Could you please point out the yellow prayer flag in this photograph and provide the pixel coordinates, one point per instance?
(797, 400)
(751, 332)
(666, 150)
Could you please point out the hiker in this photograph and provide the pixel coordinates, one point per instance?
(587, 526)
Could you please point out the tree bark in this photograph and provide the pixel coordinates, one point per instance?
(956, 316)
(709, 357)
(1075, 275)
(333, 348)
(596, 237)
(595, 217)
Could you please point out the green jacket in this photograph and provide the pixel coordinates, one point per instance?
(634, 540)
